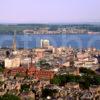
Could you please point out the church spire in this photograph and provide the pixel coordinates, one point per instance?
(14, 41)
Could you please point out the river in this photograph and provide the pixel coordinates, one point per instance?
(57, 40)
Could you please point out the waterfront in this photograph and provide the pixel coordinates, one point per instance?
(57, 40)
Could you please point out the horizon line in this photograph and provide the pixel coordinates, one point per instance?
(15, 23)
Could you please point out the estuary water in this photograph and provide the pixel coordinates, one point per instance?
(57, 40)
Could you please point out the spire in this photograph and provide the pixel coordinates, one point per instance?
(14, 41)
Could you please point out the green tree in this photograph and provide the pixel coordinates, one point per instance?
(17, 75)
(25, 88)
(86, 71)
(1, 69)
(9, 97)
(56, 80)
(62, 79)
(84, 85)
(95, 80)
(48, 92)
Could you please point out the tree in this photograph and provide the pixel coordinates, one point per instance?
(95, 80)
(84, 85)
(56, 80)
(25, 88)
(86, 71)
(1, 68)
(85, 81)
(17, 75)
(41, 63)
(48, 92)
(9, 97)
(7, 53)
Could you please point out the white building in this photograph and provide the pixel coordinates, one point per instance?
(45, 43)
(12, 62)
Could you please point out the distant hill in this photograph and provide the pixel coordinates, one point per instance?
(5, 28)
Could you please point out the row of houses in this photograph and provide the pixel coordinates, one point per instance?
(30, 71)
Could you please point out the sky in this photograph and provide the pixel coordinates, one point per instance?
(49, 11)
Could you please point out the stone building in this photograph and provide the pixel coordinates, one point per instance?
(12, 62)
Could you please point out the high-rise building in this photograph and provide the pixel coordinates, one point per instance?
(45, 43)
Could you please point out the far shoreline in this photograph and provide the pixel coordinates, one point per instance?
(21, 33)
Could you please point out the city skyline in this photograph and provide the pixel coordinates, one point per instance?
(49, 11)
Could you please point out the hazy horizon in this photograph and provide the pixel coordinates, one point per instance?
(15, 23)
(49, 11)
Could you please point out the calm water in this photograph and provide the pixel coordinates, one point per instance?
(33, 41)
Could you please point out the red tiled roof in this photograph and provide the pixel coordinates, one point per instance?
(30, 71)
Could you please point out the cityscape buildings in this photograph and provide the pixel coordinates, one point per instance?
(49, 49)
(48, 68)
